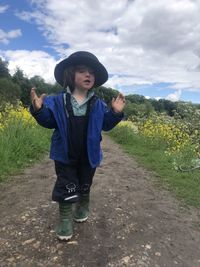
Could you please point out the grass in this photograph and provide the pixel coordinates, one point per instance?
(186, 186)
(20, 146)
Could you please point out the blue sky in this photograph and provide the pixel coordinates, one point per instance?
(29, 31)
(149, 48)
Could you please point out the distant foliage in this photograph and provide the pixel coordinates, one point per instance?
(9, 92)
(17, 87)
(4, 72)
(106, 94)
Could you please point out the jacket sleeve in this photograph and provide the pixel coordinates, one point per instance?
(44, 117)
(111, 118)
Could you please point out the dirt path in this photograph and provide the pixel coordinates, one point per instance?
(132, 223)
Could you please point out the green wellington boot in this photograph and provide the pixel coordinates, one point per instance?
(64, 229)
(81, 209)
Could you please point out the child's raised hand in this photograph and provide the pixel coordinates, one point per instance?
(36, 101)
(118, 103)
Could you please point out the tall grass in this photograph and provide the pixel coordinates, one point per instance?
(185, 186)
(20, 145)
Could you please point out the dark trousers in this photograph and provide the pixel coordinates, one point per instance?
(76, 177)
(72, 180)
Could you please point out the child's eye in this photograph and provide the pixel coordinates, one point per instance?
(82, 70)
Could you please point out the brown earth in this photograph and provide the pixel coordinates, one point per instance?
(132, 221)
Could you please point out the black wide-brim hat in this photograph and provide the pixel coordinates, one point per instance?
(82, 58)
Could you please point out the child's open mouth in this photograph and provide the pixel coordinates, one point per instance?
(87, 81)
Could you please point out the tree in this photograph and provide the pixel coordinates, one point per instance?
(43, 87)
(131, 109)
(4, 72)
(9, 92)
(106, 94)
(138, 99)
(18, 76)
(25, 85)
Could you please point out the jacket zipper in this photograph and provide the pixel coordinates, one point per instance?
(64, 99)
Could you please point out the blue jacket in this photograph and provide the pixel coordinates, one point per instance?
(54, 115)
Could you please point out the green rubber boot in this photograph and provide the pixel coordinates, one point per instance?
(64, 229)
(81, 209)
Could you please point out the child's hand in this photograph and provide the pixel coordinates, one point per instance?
(118, 103)
(36, 101)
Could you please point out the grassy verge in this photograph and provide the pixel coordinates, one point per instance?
(21, 145)
(186, 186)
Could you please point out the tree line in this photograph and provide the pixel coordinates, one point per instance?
(17, 87)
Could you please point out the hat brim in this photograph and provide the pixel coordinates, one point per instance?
(101, 74)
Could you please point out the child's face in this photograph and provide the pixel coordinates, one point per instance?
(84, 78)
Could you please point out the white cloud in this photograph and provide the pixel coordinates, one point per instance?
(125, 80)
(5, 36)
(174, 96)
(158, 98)
(31, 62)
(162, 27)
(3, 8)
(140, 42)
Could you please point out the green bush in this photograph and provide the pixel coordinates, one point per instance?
(20, 145)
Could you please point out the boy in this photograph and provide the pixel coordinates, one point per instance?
(77, 117)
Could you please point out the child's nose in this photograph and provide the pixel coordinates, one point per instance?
(87, 73)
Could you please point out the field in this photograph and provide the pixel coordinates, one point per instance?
(169, 148)
(22, 141)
